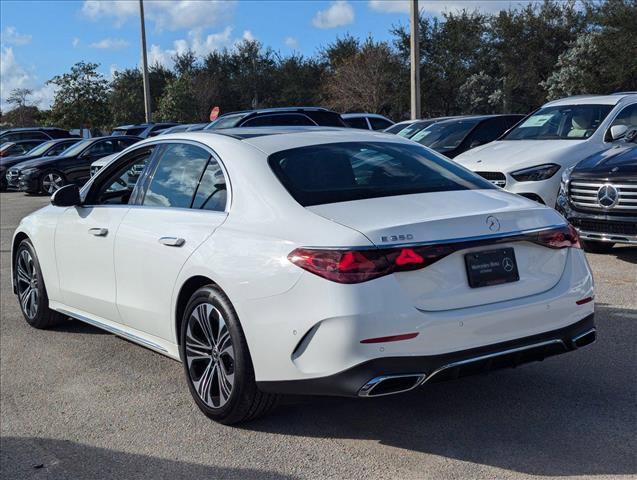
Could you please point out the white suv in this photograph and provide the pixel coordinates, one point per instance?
(530, 158)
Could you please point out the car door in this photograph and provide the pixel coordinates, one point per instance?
(85, 239)
(183, 202)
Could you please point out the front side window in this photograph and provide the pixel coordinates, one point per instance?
(118, 186)
(357, 122)
(42, 149)
(444, 135)
(58, 149)
(379, 123)
(561, 122)
(628, 117)
(101, 149)
(176, 176)
(341, 172)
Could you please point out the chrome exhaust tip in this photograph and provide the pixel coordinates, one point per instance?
(583, 339)
(390, 384)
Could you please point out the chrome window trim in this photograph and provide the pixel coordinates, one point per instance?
(145, 175)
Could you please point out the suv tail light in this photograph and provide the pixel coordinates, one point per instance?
(356, 266)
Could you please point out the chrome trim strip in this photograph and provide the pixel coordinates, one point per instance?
(116, 331)
(493, 355)
(576, 183)
(445, 241)
(608, 237)
(367, 389)
(582, 335)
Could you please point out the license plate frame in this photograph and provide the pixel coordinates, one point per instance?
(487, 268)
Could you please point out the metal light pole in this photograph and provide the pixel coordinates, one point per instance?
(147, 107)
(415, 62)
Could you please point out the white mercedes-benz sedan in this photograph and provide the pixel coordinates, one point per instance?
(305, 260)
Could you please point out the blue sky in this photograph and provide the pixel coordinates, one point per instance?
(41, 39)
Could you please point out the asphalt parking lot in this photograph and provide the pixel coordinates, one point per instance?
(76, 402)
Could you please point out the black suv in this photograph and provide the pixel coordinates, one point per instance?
(599, 197)
(33, 133)
(279, 117)
(47, 174)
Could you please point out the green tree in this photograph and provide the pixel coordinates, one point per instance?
(22, 113)
(81, 99)
(178, 103)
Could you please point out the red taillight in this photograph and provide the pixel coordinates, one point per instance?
(342, 266)
(355, 266)
(562, 237)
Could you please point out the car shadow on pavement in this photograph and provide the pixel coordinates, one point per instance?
(34, 458)
(569, 415)
(76, 326)
(627, 254)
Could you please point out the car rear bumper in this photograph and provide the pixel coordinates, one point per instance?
(384, 376)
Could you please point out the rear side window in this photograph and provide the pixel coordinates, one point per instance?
(357, 122)
(342, 172)
(379, 123)
(212, 193)
(33, 135)
(176, 176)
(279, 120)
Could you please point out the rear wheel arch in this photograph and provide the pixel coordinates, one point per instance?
(186, 291)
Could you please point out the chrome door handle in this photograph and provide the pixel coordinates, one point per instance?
(98, 232)
(172, 241)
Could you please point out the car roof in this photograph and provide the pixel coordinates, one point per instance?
(33, 129)
(613, 99)
(275, 139)
(277, 110)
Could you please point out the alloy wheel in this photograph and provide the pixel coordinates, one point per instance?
(27, 283)
(52, 182)
(210, 355)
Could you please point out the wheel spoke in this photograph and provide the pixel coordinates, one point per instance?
(24, 298)
(205, 382)
(22, 274)
(225, 387)
(33, 302)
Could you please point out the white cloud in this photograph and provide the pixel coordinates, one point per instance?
(110, 44)
(14, 75)
(291, 42)
(10, 36)
(75, 42)
(436, 7)
(339, 14)
(247, 35)
(199, 45)
(164, 15)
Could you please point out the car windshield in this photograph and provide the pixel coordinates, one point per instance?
(41, 149)
(444, 135)
(562, 122)
(77, 148)
(341, 172)
(414, 128)
(6, 146)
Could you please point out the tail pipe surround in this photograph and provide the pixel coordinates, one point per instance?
(390, 384)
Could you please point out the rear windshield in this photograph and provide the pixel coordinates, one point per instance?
(340, 172)
(445, 135)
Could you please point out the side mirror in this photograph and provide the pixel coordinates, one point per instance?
(618, 131)
(67, 196)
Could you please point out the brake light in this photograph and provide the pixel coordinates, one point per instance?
(562, 237)
(356, 266)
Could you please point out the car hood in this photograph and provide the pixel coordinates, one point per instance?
(511, 155)
(8, 162)
(39, 162)
(619, 161)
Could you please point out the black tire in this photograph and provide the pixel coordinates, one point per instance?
(245, 401)
(32, 297)
(596, 247)
(45, 185)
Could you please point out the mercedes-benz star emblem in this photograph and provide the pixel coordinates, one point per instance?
(607, 196)
(507, 264)
(493, 223)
